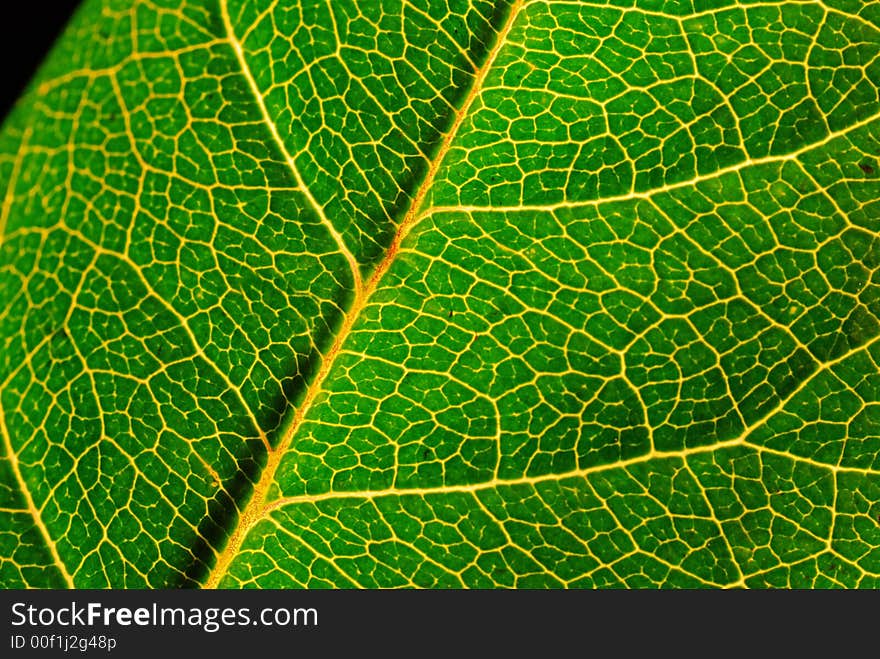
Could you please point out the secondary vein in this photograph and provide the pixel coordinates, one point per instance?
(13, 180)
(29, 501)
(288, 157)
(748, 163)
(742, 439)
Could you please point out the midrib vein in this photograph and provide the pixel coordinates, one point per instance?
(279, 142)
(258, 506)
(29, 501)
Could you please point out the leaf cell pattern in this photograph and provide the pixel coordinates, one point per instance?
(379, 293)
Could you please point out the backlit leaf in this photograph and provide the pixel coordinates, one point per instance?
(384, 293)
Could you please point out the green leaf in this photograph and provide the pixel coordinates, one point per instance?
(379, 293)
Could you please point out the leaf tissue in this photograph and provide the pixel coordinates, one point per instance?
(447, 293)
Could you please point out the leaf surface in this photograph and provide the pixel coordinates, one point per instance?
(544, 293)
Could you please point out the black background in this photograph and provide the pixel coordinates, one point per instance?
(29, 28)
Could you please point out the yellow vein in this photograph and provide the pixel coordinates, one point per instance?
(474, 488)
(648, 194)
(181, 319)
(279, 141)
(257, 506)
(31, 507)
(740, 440)
(13, 179)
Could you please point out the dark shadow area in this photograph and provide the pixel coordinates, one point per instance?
(28, 31)
(412, 178)
(216, 529)
(305, 369)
